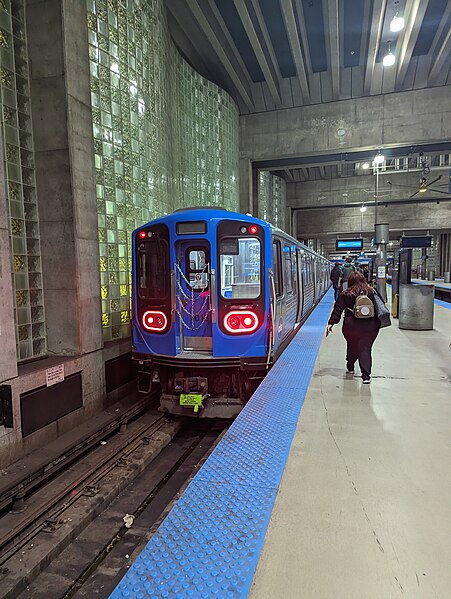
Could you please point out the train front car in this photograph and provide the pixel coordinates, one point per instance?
(200, 305)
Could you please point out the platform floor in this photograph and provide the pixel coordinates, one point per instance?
(364, 507)
(437, 283)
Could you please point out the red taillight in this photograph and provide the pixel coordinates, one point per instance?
(154, 320)
(241, 322)
(142, 234)
(253, 229)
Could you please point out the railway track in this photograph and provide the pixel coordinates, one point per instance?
(153, 453)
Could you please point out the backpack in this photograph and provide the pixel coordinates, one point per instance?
(363, 307)
(347, 270)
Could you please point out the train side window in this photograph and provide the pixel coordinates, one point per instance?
(287, 276)
(277, 267)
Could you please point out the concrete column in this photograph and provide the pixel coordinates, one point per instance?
(8, 356)
(246, 186)
(65, 174)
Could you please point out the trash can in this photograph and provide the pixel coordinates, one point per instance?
(447, 277)
(431, 275)
(416, 307)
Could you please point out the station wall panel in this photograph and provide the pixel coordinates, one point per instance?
(40, 407)
(18, 156)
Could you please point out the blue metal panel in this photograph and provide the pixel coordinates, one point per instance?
(209, 544)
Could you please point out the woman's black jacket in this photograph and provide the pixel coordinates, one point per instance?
(345, 303)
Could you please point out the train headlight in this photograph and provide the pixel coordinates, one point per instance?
(154, 321)
(241, 322)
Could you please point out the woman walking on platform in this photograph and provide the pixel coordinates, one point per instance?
(360, 326)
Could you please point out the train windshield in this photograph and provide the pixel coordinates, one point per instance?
(153, 275)
(240, 268)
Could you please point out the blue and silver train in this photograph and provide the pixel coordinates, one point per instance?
(217, 296)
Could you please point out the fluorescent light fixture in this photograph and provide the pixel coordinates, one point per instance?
(422, 189)
(362, 208)
(397, 23)
(366, 165)
(389, 59)
(379, 158)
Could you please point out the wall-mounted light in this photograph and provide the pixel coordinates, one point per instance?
(379, 158)
(365, 165)
(389, 59)
(397, 23)
(363, 208)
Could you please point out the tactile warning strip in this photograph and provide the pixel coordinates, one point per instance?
(209, 544)
(443, 304)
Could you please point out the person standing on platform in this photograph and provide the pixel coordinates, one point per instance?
(346, 271)
(335, 275)
(361, 325)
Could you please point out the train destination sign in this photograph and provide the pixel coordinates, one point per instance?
(349, 244)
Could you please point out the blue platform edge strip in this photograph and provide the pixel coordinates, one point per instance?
(209, 544)
(443, 304)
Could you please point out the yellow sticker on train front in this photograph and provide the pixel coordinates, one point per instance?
(191, 399)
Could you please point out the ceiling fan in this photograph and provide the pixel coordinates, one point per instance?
(424, 186)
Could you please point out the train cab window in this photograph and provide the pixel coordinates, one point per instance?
(153, 269)
(240, 265)
(277, 267)
(287, 276)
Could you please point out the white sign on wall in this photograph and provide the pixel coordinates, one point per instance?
(54, 375)
(381, 272)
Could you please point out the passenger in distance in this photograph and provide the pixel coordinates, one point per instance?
(335, 275)
(360, 326)
(346, 271)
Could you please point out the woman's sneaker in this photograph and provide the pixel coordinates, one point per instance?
(366, 379)
(349, 370)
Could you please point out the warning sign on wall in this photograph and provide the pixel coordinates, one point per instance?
(54, 375)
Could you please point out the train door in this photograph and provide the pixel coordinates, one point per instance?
(193, 295)
(277, 303)
(300, 283)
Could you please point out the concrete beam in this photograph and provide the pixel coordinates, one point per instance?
(415, 11)
(400, 119)
(226, 33)
(442, 57)
(242, 89)
(331, 12)
(267, 68)
(296, 50)
(377, 22)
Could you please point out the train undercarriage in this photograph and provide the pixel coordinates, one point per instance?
(201, 388)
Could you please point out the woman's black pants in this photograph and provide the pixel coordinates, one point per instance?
(359, 347)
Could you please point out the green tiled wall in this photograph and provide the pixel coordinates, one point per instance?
(20, 181)
(164, 138)
(272, 201)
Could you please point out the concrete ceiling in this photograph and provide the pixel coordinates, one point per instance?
(272, 54)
